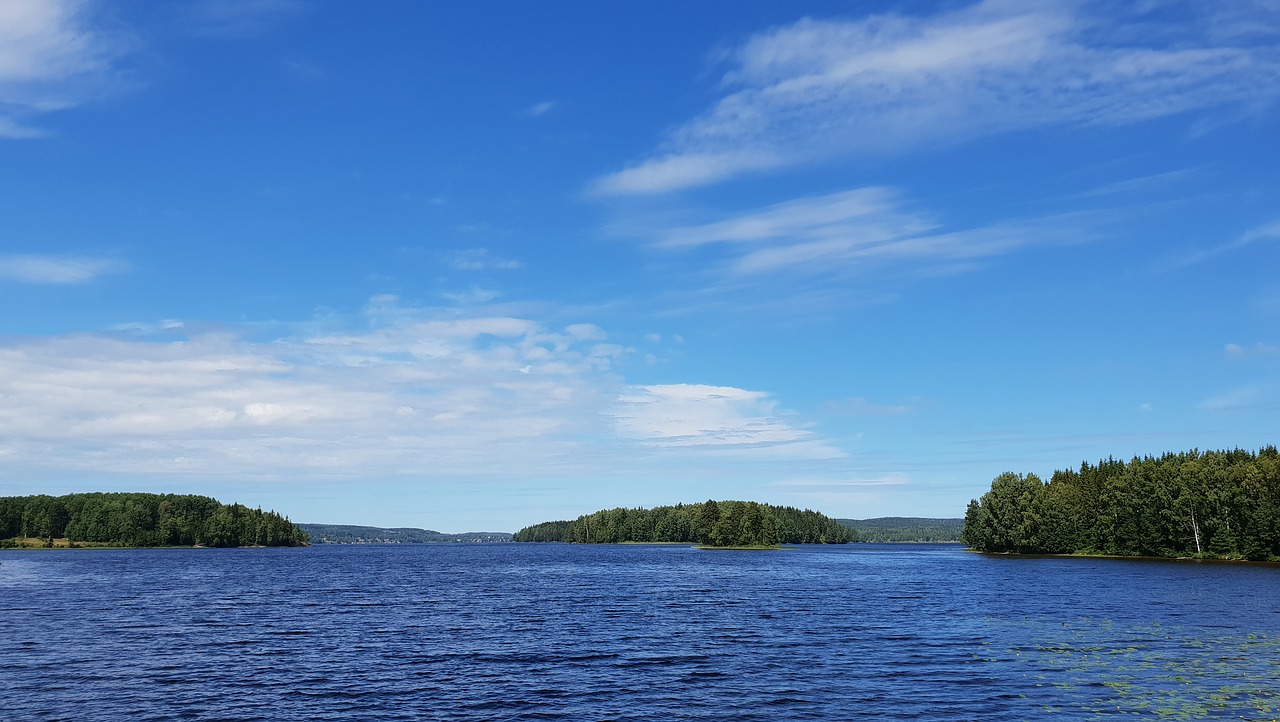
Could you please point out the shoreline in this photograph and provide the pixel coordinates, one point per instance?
(1120, 557)
(64, 544)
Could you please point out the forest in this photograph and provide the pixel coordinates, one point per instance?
(351, 534)
(1214, 504)
(142, 520)
(711, 523)
(905, 529)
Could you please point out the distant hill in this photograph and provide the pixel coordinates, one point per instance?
(905, 529)
(348, 534)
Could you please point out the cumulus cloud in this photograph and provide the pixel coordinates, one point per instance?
(423, 395)
(33, 268)
(411, 393)
(822, 87)
(52, 57)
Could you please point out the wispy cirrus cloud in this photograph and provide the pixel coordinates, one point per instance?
(1258, 397)
(540, 108)
(889, 479)
(35, 268)
(52, 57)
(1237, 351)
(701, 416)
(1243, 19)
(480, 259)
(1267, 232)
(855, 231)
(821, 88)
(236, 19)
(862, 406)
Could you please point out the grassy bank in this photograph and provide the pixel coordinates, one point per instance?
(28, 542)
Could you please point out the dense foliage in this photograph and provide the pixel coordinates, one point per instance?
(712, 523)
(905, 529)
(145, 520)
(1214, 504)
(349, 534)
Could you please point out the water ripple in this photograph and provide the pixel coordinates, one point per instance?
(552, 632)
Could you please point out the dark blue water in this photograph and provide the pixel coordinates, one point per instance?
(547, 632)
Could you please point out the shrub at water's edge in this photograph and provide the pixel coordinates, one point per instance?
(143, 520)
(1215, 504)
(712, 524)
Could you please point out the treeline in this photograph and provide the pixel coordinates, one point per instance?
(1213, 504)
(905, 529)
(143, 520)
(350, 534)
(712, 523)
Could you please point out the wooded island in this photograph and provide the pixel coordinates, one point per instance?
(711, 524)
(141, 520)
(1215, 504)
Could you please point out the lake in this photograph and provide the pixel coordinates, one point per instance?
(549, 632)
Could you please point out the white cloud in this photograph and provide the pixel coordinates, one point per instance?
(821, 88)
(681, 170)
(856, 230)
(1247, 398)
(585, 331)
(1266, 232)
(826, 486)
(479, 259)
(163, 325)
(56, 269)
(470, 297)
(10, 128)
(541, 108)
(52, 57)
(1235, 350)
(694, 415)
(1244, 19)
(418, 394)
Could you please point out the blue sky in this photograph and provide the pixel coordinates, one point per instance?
(477, 265)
